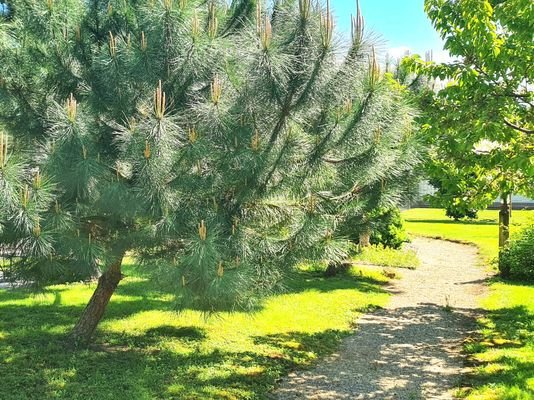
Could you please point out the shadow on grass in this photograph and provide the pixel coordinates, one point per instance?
(508, 332)
(182, 332)
(300, 281)
(515, 323)
(296, 345)
(164, 362)
(35, 364)
(17, 294)
(118, 372)
(452, 222)
(145, 295)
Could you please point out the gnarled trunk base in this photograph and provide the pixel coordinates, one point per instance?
(335, 268)
(84, 329)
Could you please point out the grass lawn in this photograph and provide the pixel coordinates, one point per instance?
(387, 257)
(484, 232)
(145, 350)
(504, 351)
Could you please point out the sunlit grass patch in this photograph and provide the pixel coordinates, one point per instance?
(147, 350)
(387, 257)
(484, 231)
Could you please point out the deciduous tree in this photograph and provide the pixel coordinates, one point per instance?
(480, 126)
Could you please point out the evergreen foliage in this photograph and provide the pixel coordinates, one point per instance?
(388, 228)
(220, 144)
(385, 225)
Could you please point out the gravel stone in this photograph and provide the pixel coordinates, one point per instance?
(411, 349)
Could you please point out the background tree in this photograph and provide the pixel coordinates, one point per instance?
(480, 125)
(221, 145)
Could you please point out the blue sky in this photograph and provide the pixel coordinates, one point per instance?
(3, 8)
(403, 24)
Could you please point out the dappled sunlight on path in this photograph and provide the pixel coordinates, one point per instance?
(411, 349)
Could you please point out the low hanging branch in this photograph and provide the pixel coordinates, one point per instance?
(518, 128)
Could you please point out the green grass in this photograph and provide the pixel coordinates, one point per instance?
(503, 351)
(145, 350)
(387, 257)
(484, 231)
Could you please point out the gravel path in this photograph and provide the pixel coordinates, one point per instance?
(411, 349)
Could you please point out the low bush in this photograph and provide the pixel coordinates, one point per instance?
(386, 226)
(458, 212)
(516, 260)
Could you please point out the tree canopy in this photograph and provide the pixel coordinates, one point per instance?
(221, 145)
(480, 126)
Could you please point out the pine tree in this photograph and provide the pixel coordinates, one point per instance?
(220, 145)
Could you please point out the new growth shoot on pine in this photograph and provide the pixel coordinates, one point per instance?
(305, 9)
(266, 33)
(259, 17)
(72, 108)
(112, 45)
(144, 44)
(216, 90)
(3, 149)
(195, 25)
(270, 141)
(374, 68)
(357, 26)
(159, 102)
(327, 26)
(213, 22)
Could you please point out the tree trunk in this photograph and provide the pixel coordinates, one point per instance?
(84, 329)
(504, 222)
(332, 269)
(365, 237)
(335, 268)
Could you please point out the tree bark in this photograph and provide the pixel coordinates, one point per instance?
(335, 268)
(84, 329)
(365, 237)
(504, 222)
(332, 269)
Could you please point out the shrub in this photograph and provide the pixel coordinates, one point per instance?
(388, 228)
(458, 212)
(517, 258)
(385, 224)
